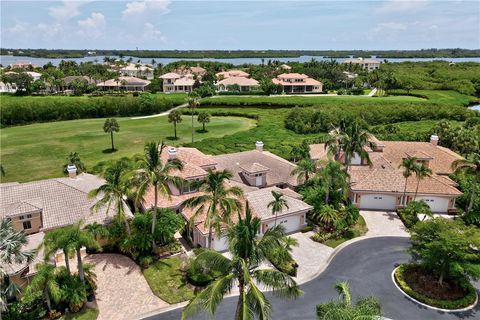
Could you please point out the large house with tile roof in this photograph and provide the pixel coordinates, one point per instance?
(174, 82)
(243, 84)
(38, 207)
(256, 172)
(381, 185)
(298, 83)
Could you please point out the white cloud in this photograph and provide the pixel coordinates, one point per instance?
(19, 27)
(49, 30)
(403, 5)
(391, 26)
(93, 26)
(138, 7)
(152, 34)
(67, 9)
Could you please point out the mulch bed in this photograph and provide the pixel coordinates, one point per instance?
(424, 282)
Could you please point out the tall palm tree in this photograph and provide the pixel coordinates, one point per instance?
(97, 230)
(193, 101)
(355, 139)
(175, 117)
(81, 238)
(304, 169)
(59, 239)
(469, 166)
(408, 164)
(277, 204)
(154, 173)
(421, 172)
(218, 202)
(11, 251)
(327, 215)
(334, 180)
(45, 280)
(113, 191)
(248, 253)
(110, 126)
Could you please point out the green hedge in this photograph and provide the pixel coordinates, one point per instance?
(466, 301)
(24, 110)
(288, 266)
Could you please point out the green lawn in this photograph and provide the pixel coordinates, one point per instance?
(84, 314)
(167, 280)
(38, 151)
(359, 229)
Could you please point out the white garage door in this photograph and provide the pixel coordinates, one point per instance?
(378, 202)
(220, 244)
(436, 204)
(291, 224)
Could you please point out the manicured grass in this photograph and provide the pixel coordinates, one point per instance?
(359, 229)
(38, 151)
(84, 314)
(168, 281)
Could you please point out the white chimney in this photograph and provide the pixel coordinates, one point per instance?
(172, 153)
(72, 171)
(259, 146)
(434, 139)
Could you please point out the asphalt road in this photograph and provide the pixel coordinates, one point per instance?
(367, 265)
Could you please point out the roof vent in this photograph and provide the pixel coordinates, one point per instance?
(259, 146)
(172, 153)
(72, 171)
(434, 139)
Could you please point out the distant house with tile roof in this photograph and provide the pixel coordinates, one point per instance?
(243, 84)
(256, 172)
(298, 83)
(381, 185)
(137, 70)
(232, 73)
(367, 64)
(38, 207)
(174, 82)
(124, 83)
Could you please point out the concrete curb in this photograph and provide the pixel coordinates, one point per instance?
(320, 271)
(470, 307)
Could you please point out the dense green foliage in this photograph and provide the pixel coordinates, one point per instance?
(467, 300)
(24, 110)
(409, 214)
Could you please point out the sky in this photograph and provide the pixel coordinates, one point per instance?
(234, 25)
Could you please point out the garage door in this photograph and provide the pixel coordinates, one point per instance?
(221, 244)
(436, 204)
(291, 224)
(378, 202)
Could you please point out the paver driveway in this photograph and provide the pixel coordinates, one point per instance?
(382, 223)
(123, 292)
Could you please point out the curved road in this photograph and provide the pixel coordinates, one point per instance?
(367, 265)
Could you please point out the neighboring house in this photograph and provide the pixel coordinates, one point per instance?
(256, 172)
(174, 82)
(22, 65)
(285, 67)
(190, 71)
(68, 81)
(298, 83)
(368, 64)
(8, 87)
(232, 73)
(40, 206)
(381, 185)
(35, 75)
(124, 83)
(137, 70)
(241, 83)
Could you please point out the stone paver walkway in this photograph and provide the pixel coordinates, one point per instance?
(123, 292)
(382, 223)
(311, 256)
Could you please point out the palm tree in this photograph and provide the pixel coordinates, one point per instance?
(304, 169)
(277, 204)
(81, 238)
(156, 174)
(408, 164)
(334, 180)
(110, 126)
(193, 101)
(248, 253)
(59, 239)
(421, 172)
(364, 308)
(97, 230)
(355, 139)
(175, 117)
(218, 202)
(327, 215)
(45, 280)
(113, 191)
(203, 118)
(11, 251)
(469, 166)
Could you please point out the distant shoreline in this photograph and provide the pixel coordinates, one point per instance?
(232, 54)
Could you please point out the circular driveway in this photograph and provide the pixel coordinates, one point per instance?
(367, 265)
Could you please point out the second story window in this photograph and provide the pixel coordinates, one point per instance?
(27, 225)
(188, 187)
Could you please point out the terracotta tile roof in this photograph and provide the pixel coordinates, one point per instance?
(318, 151)
(305, 82)
(34, 242)
(421, 155)
(253, 167)
(241, 81)
(232, 73)
(361, 61)
(165, 201)
(280, 169)
(131, 81)
(170, 75)
(184, 81)
(63, 201)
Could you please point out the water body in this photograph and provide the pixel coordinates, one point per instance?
(475, 107)
(6, 60)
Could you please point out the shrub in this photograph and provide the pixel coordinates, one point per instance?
(30, 307)
(307, 229)
(321, 237)
(466, 301)
(284, 263)
(409, 214)
(145, 261)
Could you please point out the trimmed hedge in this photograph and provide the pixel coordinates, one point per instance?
(466, 301)
(25, 110)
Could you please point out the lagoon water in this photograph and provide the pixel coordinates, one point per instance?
(7, 60)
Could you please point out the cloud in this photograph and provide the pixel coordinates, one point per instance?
(49, 30)
(152, 34)
(138, 7)
(19, 27)
(67, 9)
(93, 26)
(402, 5)
(394, 26)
